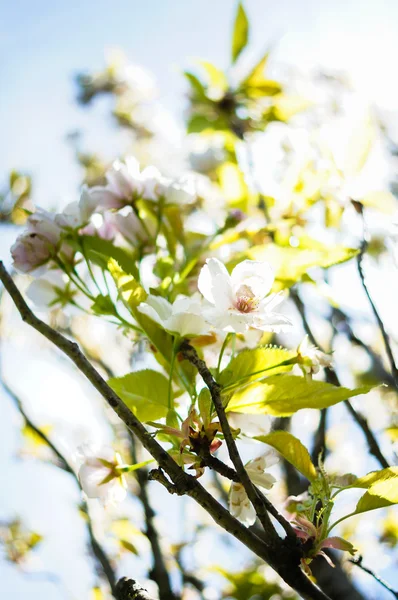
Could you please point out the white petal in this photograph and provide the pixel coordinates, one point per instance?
(215, 283)
(161, 305)
(186, 324)
(257, 275)
(240, 505)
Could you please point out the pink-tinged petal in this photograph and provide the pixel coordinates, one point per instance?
(256, 275)
(327, 558)
(306, 525)
(339, 544)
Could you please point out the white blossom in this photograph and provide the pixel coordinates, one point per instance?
(238, 301)
(311, 359)
(131, 228)
(45, 290)
(99, 475)
(126, 183)
(183, 317)
(77, 214)
(239, 504)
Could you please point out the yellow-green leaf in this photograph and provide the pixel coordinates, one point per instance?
(215, 77)
(385, 202)
(251, 365)
(358, 147)
(283, 395)
(292, 450)
(376, 477)
(144, 392)
(291, 263)
(380, 494)
(241, 32)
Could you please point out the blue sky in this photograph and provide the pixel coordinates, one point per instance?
(44, 43)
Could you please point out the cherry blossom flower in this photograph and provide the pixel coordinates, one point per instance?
(46, 290)
(311, 359)
(238, 301)
(132, 229)
(77, 214)
(100, 475)
(34, 248)
(239, 503)
(182, 318)
(126, 183)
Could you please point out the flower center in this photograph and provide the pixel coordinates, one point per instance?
(246, 301)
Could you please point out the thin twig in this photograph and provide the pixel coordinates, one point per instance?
(386, 339)
(220, 467)
(96, 547)
(331, 377)
(358, 562)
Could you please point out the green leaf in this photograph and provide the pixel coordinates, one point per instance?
(205, 405)
(103, 305)
(283, 395)
(99, 251)
(215, 76)
(197, 87)
(251, 365)
(128, 546)
(291, 264)
(380, 494)
(132, 294)
(292, 450)
(375, 477)
(241, 33)
(144, 392)
(256, 75)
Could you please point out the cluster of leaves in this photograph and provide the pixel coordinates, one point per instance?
(15, 198)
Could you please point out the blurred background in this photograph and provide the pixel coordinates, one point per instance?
(44, 45)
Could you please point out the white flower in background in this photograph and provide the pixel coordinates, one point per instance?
(102, 226)
(180, 191)
(77, 214)
(238, 301)
(99, 474)
(37, 245)
(250, 425)
(46, 290)
(183, 317)
(239, 504)
(206, 153)
(132, 229)
(311, 359)
(126, 183)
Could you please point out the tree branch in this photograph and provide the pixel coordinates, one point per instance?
(284, 559)
(387, 586)
(386, 339)
(215, 390)
(98, 551)
(220, 467)
(331, 377)
(128, 589)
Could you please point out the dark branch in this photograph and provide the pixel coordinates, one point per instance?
(215, 390)
(128, 589)
(331, 377)
(98, 551)
(386, 339)
(387, 586)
